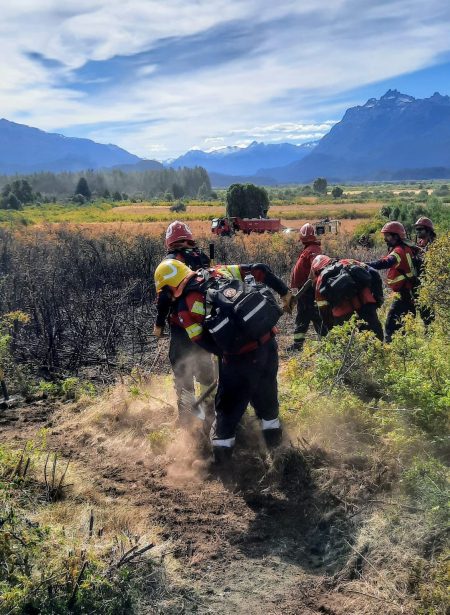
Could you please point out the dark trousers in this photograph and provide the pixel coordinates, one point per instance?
(188, 360)
(249, 378)
(402, 305)
(307, 313)
(368, 314)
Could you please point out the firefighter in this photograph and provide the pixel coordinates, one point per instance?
(307, 311)
(187, 361)
(401, 275)
(364, 302)
(248, 375)
(424, 232)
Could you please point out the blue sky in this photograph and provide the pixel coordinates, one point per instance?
(161, 77)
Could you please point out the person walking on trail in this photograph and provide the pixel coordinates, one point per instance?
(346, 287)
(187, 361)
(425, 236)
(229, 311)
(401, 275)
(307, 311)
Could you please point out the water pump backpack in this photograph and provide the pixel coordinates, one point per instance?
(239, 312)
(341, 282)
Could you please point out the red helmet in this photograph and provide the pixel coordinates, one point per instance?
(426, 222)
(177, 231)
(395, 228)
(307, 233)
(320, 262)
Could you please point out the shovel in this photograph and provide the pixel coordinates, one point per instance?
(196, 408)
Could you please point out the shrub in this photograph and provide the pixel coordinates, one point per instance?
(435, 288)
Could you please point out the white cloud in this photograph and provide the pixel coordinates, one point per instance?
(276, 89)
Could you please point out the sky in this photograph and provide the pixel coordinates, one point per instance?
(162, 77)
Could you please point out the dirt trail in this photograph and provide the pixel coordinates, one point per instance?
(268, 544)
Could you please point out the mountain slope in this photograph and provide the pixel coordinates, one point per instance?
(380, 139)
(24, 149)
(244, 160)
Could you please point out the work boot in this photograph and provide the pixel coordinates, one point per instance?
(223, 465)
(295, 347)
(222, 455)
(273, 437)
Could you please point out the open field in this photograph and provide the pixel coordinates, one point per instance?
(292, 215)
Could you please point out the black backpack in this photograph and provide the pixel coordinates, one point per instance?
(341, 282)
(239, 312)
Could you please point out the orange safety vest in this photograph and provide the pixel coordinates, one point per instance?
(401, 275)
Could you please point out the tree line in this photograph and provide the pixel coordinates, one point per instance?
(113, 184)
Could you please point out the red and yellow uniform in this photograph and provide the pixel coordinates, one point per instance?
(398, 262)
(189, 311)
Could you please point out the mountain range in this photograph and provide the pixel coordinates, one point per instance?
(395, 137)
(245, 160)
(25, 150)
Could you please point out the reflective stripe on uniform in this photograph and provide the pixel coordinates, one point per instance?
(399, 278)
(398, 258)
(322, 303)
(198, 308)
(411, 266)
(272, 424)
(224, 271)
(228, 443)
(194, 330)
(235, 271)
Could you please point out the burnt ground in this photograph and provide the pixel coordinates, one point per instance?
(275, 539)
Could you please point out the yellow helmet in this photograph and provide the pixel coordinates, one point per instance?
(171, 272)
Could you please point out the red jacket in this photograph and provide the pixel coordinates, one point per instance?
(398, 262)
(302, 267)
(347, 306)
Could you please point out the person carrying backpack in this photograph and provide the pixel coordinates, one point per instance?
(346, 287)
(307, 311)
(401, 275)
(229, 311)
(187, 361)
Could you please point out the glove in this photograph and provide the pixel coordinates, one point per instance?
(288, 300)
(157, 331)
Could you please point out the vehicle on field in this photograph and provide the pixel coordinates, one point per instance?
(225, 227)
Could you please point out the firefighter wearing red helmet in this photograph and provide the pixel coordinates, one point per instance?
(307, 311)
(248, 370)
(337, 304)
(187, 361)
(425, 232)
(401, 274)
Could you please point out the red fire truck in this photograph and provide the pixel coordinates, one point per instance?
(224, 227)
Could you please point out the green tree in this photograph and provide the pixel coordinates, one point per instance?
(83, 188)
(22, 190)
(117, 196)
(204, 192)
(337, 192)
(10, 201)
(177, 190)
(320, 185)
(247, 201)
